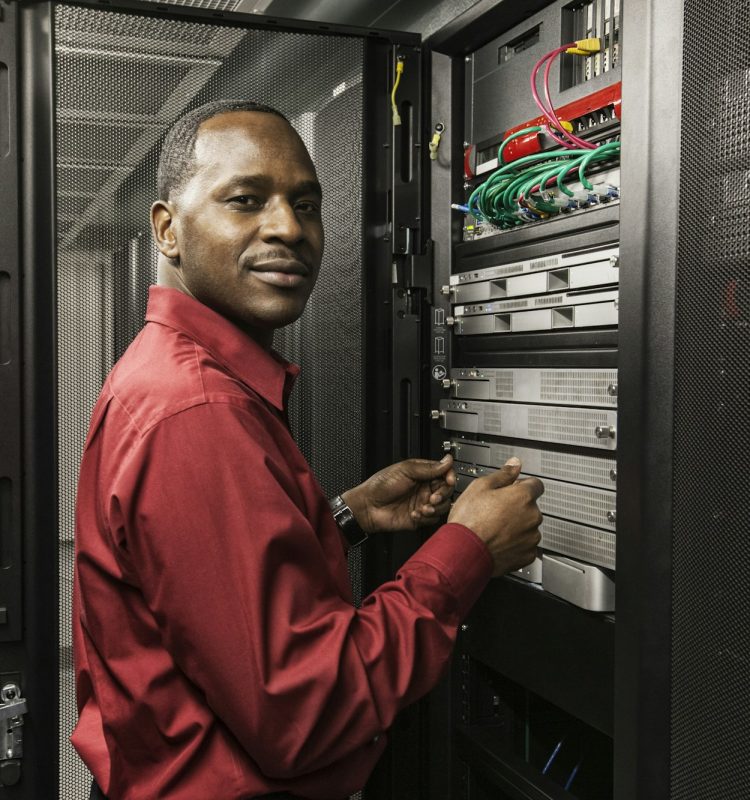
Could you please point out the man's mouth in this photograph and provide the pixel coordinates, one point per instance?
(285, 273)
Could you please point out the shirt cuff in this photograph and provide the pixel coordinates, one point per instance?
(462, 558)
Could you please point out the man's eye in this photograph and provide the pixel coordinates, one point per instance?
(246, 200)
(308, 207)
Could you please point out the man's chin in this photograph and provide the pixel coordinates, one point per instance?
(278, 318)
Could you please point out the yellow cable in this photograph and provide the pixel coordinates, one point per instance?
(399, 72)
(585, 47)
(435, 141)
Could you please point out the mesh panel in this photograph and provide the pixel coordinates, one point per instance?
(577, 541)
(121, 80)
(570, 425)
(579, 503)
(580, 387)
(577, 468)
(711, 547)
(504, 385)
(214, 5)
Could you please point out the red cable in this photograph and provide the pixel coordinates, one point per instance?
(549, 113)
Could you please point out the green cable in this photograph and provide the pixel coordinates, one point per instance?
(539, 203)
(514, 189)
(562, 173)
(509, 139)
(600, 154)
(496, 199)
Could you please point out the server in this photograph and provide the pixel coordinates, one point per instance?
(558, 273)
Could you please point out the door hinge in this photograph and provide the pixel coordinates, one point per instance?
(12, 709)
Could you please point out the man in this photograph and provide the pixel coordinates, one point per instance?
(218, 653)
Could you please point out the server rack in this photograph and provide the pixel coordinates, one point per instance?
(648, 702)
(529, 318)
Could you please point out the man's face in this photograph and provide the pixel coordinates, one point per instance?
(247, 224)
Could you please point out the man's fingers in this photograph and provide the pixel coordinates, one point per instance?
(421, 469)
(441, 509)
(440, 495)
(448, 479)
(504, 476)
(534, 486)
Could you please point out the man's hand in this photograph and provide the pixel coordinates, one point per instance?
(403, 496)
(502, 511)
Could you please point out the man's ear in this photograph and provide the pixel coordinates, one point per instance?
(162, 219)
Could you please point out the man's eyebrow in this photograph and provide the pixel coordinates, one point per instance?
(308, 187)
(262, 181)
(247, 180)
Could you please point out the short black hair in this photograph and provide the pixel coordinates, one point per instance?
(177, 158)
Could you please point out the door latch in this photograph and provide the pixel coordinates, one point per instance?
(12, 709)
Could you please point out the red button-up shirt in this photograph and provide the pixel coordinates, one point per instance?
(218, 654)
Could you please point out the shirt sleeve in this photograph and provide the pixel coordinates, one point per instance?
(216, 531)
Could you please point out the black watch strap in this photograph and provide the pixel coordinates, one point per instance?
(347, 523)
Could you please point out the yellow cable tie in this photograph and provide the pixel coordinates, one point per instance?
(585, 47)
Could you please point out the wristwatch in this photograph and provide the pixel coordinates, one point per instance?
(347, 523)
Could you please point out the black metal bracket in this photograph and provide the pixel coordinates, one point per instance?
(406, 360)
(406, 150)
(419, 269)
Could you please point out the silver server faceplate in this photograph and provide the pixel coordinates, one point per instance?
(581, 584)
(588, 470)
(585, 504)
(545, 313)
(564, 279)
(608, 255)
(585, 427)
(573, 387)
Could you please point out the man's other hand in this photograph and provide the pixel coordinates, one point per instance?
(503, 513)
(403, 496)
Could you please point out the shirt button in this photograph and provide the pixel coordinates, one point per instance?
(375, 739)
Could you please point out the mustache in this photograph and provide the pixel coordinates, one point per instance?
(277, 254)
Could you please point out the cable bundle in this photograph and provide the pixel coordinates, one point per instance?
(533, 187)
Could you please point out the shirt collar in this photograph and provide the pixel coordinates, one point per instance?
(266, 372)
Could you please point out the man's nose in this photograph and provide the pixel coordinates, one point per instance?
(280, 222)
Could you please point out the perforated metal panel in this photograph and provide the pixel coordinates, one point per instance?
(578, 387)
(591, 470)
(576, 426)
(586, 427)
(579, 503)
(711, 524)
(578, 541)
(585, 469)
(122, 79)
(214, 5)
(582, 387)
(570, 501)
